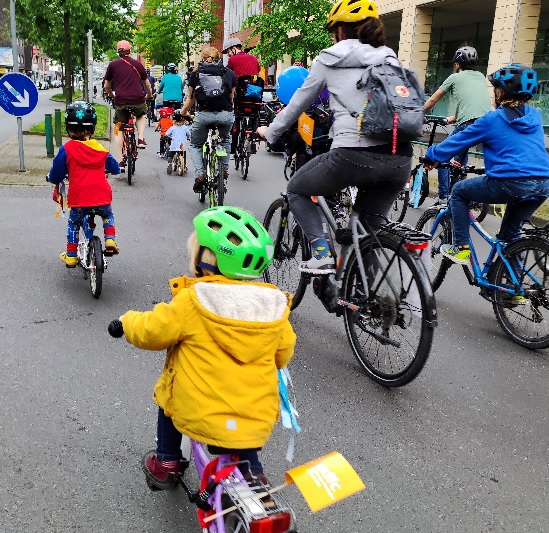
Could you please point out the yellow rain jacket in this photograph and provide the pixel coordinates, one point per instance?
(225, 341)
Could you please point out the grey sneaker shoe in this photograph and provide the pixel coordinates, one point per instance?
(323, 265)
(440, 202)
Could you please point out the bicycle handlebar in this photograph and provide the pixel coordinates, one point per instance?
(439, 121)
(115, 329)
(453, 165)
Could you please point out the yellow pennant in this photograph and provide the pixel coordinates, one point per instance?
(306, 127)
(325, 480)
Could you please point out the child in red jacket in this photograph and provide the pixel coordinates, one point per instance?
(85, 161)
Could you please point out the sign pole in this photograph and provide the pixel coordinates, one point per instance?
(90, 67)
(15, 54)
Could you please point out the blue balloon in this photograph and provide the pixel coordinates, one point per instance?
(289, 81)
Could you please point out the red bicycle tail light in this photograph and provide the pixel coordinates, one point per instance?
(248, 110)
(414, 246)
(275, 523)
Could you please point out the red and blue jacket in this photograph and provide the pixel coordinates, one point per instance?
(85, 162)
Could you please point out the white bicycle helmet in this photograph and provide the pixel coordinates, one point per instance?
(466, 56)
(229, 43)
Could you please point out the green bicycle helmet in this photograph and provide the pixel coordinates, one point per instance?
(246, 260)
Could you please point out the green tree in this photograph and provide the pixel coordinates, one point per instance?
(172, 29)
(292, 27)
(60, 28)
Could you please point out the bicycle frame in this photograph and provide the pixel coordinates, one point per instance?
(248, 503)
(479, 276)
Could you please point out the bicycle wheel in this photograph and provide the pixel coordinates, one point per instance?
(220, 180)
(424, 187)
(245, 164)
(289, 168)
(480, 210)
(130, 165)
(96, 266)
(527, 322)
(441, 235)
(389, 326)
(400, 205)
(291, 248)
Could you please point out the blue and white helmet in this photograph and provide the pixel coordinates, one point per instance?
(516, 80)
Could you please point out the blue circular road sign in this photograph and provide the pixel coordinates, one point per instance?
(18, 94)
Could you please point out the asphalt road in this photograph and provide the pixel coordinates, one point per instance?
(464, 448)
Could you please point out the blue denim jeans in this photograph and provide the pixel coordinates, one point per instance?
(444, 173)
(168, 446)
(76, 216)
(496, 191)
(199, 134)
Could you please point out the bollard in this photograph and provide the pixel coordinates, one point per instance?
(49, 135)
(58, 137)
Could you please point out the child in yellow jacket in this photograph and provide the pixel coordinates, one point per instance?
(217, 329)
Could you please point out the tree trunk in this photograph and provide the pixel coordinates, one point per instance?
(68, 59)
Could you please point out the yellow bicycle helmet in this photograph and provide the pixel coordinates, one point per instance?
(351, 11)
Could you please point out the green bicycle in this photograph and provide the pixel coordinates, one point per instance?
(212, 152)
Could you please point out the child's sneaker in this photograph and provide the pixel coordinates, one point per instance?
(455, 254)
(259, 483)
(69, 260)
(141, 143)
(161, 475)
(111, 248)
(510, 300)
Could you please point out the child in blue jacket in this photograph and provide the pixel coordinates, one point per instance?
(516, 161)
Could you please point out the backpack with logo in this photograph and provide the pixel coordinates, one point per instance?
(211, 86)
(393, 105)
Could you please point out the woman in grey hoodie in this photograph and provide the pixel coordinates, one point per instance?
(353, 160)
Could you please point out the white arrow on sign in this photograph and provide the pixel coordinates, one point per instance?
(23, 101)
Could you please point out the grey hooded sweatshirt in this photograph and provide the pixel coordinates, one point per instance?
(337, 69)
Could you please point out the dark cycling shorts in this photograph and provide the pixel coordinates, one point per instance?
(174, 104)
(121, 113)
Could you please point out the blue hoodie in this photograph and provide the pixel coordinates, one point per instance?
(512, 139)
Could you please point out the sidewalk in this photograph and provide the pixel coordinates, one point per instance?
(37, 163)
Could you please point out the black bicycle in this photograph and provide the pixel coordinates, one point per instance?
(246, 123)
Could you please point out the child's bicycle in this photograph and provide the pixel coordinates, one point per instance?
(178, 164)
(229, 503)
(381, 288)
(212, 152)
(514, 278)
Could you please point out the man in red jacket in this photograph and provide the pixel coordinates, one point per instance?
(241, 63)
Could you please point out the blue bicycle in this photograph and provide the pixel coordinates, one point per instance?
(514, 278)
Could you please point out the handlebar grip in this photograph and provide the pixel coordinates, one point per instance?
(115, 329)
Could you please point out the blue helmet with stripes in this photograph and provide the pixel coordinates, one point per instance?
(518, 81)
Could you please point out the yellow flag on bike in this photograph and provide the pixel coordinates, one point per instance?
(325, 480)
(305, 128)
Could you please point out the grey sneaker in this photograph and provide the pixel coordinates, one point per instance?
(324, 265)
(440, 202)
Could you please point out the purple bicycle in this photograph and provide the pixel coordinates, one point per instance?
(226, 501)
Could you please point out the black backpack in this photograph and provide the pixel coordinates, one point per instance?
(211, 85)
